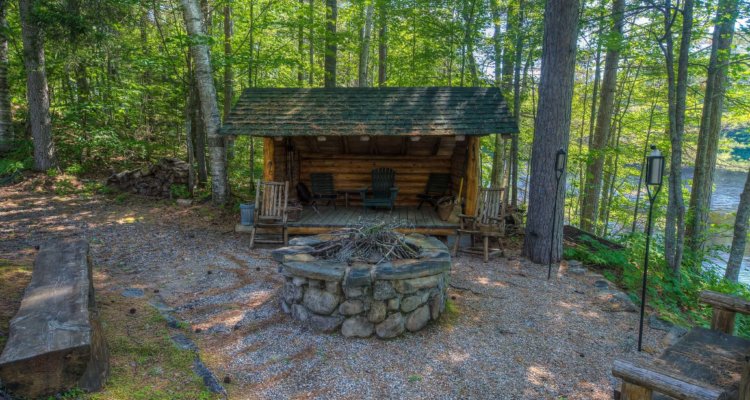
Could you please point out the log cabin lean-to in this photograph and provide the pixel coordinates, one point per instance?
(348, 132)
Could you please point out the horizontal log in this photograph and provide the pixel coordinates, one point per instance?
(316, 230)
(56, 341)
(725, 301)
(663, 381)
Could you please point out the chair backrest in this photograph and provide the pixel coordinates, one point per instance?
(438, 184)
(271, 199)
(383, 180)
(490, 207)
(322, 183)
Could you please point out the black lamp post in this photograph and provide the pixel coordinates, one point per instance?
(560, 160)
(654, 178)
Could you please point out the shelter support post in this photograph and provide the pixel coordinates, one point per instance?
(472, 174)
(268, 159)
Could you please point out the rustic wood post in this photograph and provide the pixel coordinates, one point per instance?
(472, 174)
(268, 159)
(722, 320)
(745, 381)
(631, 391)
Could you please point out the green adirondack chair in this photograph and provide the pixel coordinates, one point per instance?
(383, 190)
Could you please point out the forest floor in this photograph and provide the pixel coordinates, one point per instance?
(509, 333)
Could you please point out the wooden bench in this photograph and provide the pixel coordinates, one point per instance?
(703, 364)
(55, 340)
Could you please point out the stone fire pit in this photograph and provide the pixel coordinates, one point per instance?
(361, 298)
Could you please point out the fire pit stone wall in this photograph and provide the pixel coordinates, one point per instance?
(362, 299)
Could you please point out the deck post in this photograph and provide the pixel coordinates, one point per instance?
(268, 159)
(472, 174)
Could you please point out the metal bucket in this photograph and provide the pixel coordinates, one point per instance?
(246, 214)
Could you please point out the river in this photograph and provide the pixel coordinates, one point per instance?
(728, 186)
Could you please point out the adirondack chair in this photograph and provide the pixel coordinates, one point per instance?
(383, 189)
(437, 187)
(489, 222)
(322, 189)
(703, 364)
(270, 211)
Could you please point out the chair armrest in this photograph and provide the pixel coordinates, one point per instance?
(394, 192)
(725, 301)
(659, 379)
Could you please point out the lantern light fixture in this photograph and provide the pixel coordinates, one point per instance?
(654, 180)
(654, 167)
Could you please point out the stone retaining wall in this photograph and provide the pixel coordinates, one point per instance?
(361, 299)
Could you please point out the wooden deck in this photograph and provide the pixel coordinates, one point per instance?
(424, 221)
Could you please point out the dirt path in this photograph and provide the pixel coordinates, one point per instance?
(511, 334)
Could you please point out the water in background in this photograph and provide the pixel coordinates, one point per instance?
(728, 186)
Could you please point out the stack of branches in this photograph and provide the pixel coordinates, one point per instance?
(368, 241)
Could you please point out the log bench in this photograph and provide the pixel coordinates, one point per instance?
(55, 341)
(703, 364)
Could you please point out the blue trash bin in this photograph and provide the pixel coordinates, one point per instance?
(246, 214)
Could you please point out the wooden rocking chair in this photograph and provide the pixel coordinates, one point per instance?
(489, 222)
(271, 211)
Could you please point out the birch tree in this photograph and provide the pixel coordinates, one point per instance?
(207, 94)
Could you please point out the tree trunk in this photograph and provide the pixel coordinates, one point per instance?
(643, 165)
(197, 132)
(710, 128)
(497, 42)
(364, 51)
(674, 232)
(37, 91)
(737, 253)
(310, 37)
(228, 73)
(301, 45)
(382, 42)
(552, 131)
(6, 120)
(513, 176)
(209, 106)
(329, 68)
(592, 191)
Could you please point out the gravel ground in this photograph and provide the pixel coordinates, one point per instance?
(511, 335)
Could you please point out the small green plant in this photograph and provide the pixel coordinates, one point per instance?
(121, 198)
(65, 187)
(52, 172)
(179, 191)
(414, 378)
(74, 169)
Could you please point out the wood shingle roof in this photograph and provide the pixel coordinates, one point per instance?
(435, 111)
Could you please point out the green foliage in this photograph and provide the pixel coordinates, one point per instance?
(179, 191)
(673, 297)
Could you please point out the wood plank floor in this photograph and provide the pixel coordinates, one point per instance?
(346, 216)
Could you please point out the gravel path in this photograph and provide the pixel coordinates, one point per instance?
(512, 334)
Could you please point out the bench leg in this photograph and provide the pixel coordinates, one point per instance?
(455, 244)
(486, 245)
(723, 320)
(631, 391)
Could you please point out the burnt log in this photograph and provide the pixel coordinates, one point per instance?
(56, 341)
(155, 180)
